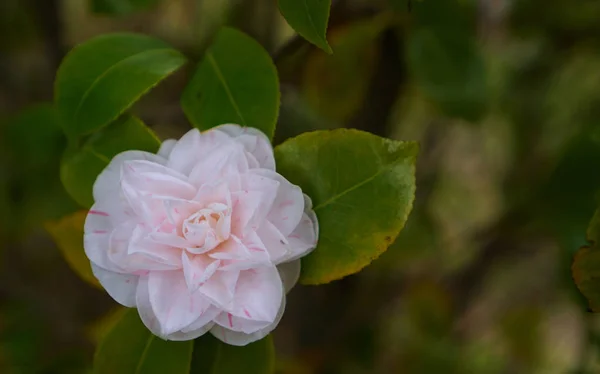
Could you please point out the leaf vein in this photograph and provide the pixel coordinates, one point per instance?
(350, 189)
(105, 73)
(215, 66)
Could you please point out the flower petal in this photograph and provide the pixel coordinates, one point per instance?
(289, 273)
(288, 205)
(194, 147)
(174, 307)
(108, 184)
(121, 287)
(220, 287)
(166, 147)
(228, 158)
(258, 294)
(237, 338)
(198, 270)
(255, 142)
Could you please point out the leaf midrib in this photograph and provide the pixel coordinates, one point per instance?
(221, 78)
(105, 72)
(354, 187)
(312, 23)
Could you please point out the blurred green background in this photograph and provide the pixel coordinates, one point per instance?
(504, 97)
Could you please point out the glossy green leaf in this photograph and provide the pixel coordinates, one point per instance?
(68, 235)
(101, 78)
(130, 348)
(236, 82)
(586, 265)
(309, 18)
(120, 7)
(80, 167)
(211, 356)
(362, 187)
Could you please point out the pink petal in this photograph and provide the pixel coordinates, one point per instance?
(198, 270)
(229, 336)
(147, 178)
(258, 293)
(275, 242)
(107, 185)
(197, 328)
(255, 142)
(174, 306)
(121, 287)
(289, 273)
(220, 288)
(288, 206)
(132, 253)
(98, 227)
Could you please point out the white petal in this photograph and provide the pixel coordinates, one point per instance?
(142, 299)
(255, 142)
(239, 338)
(289, 273)
(166, 147)
(108, 184)
(194, 147)
(174, 306)
(288, 206)
(121, 287)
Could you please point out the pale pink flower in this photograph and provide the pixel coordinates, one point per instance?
(203, 236)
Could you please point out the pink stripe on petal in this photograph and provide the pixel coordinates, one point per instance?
(286, 203)
(98, 213)
(247, 313)
(294, 236)
(223, 332)
(99, 231)
(229, 317)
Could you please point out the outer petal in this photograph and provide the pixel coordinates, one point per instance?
(194, 147)
(144, 307)
(239, 338)
(228, 158)
(166, 147)
(255, 142)
(107, 185)
(257, 294)
(288, 206)
(173, 305)
(289, 273)
(98, 228)
(121, 287)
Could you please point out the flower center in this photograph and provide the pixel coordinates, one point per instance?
(208, 227)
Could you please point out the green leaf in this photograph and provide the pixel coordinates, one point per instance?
(121, 7)
(236, 82)
(211, 356)
(309, 18)
(101, 78)
(362, 187)
(586, 265)
(68, 235)
(130, 348)
(80, 167)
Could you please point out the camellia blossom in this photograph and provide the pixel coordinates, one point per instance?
(202, 237)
